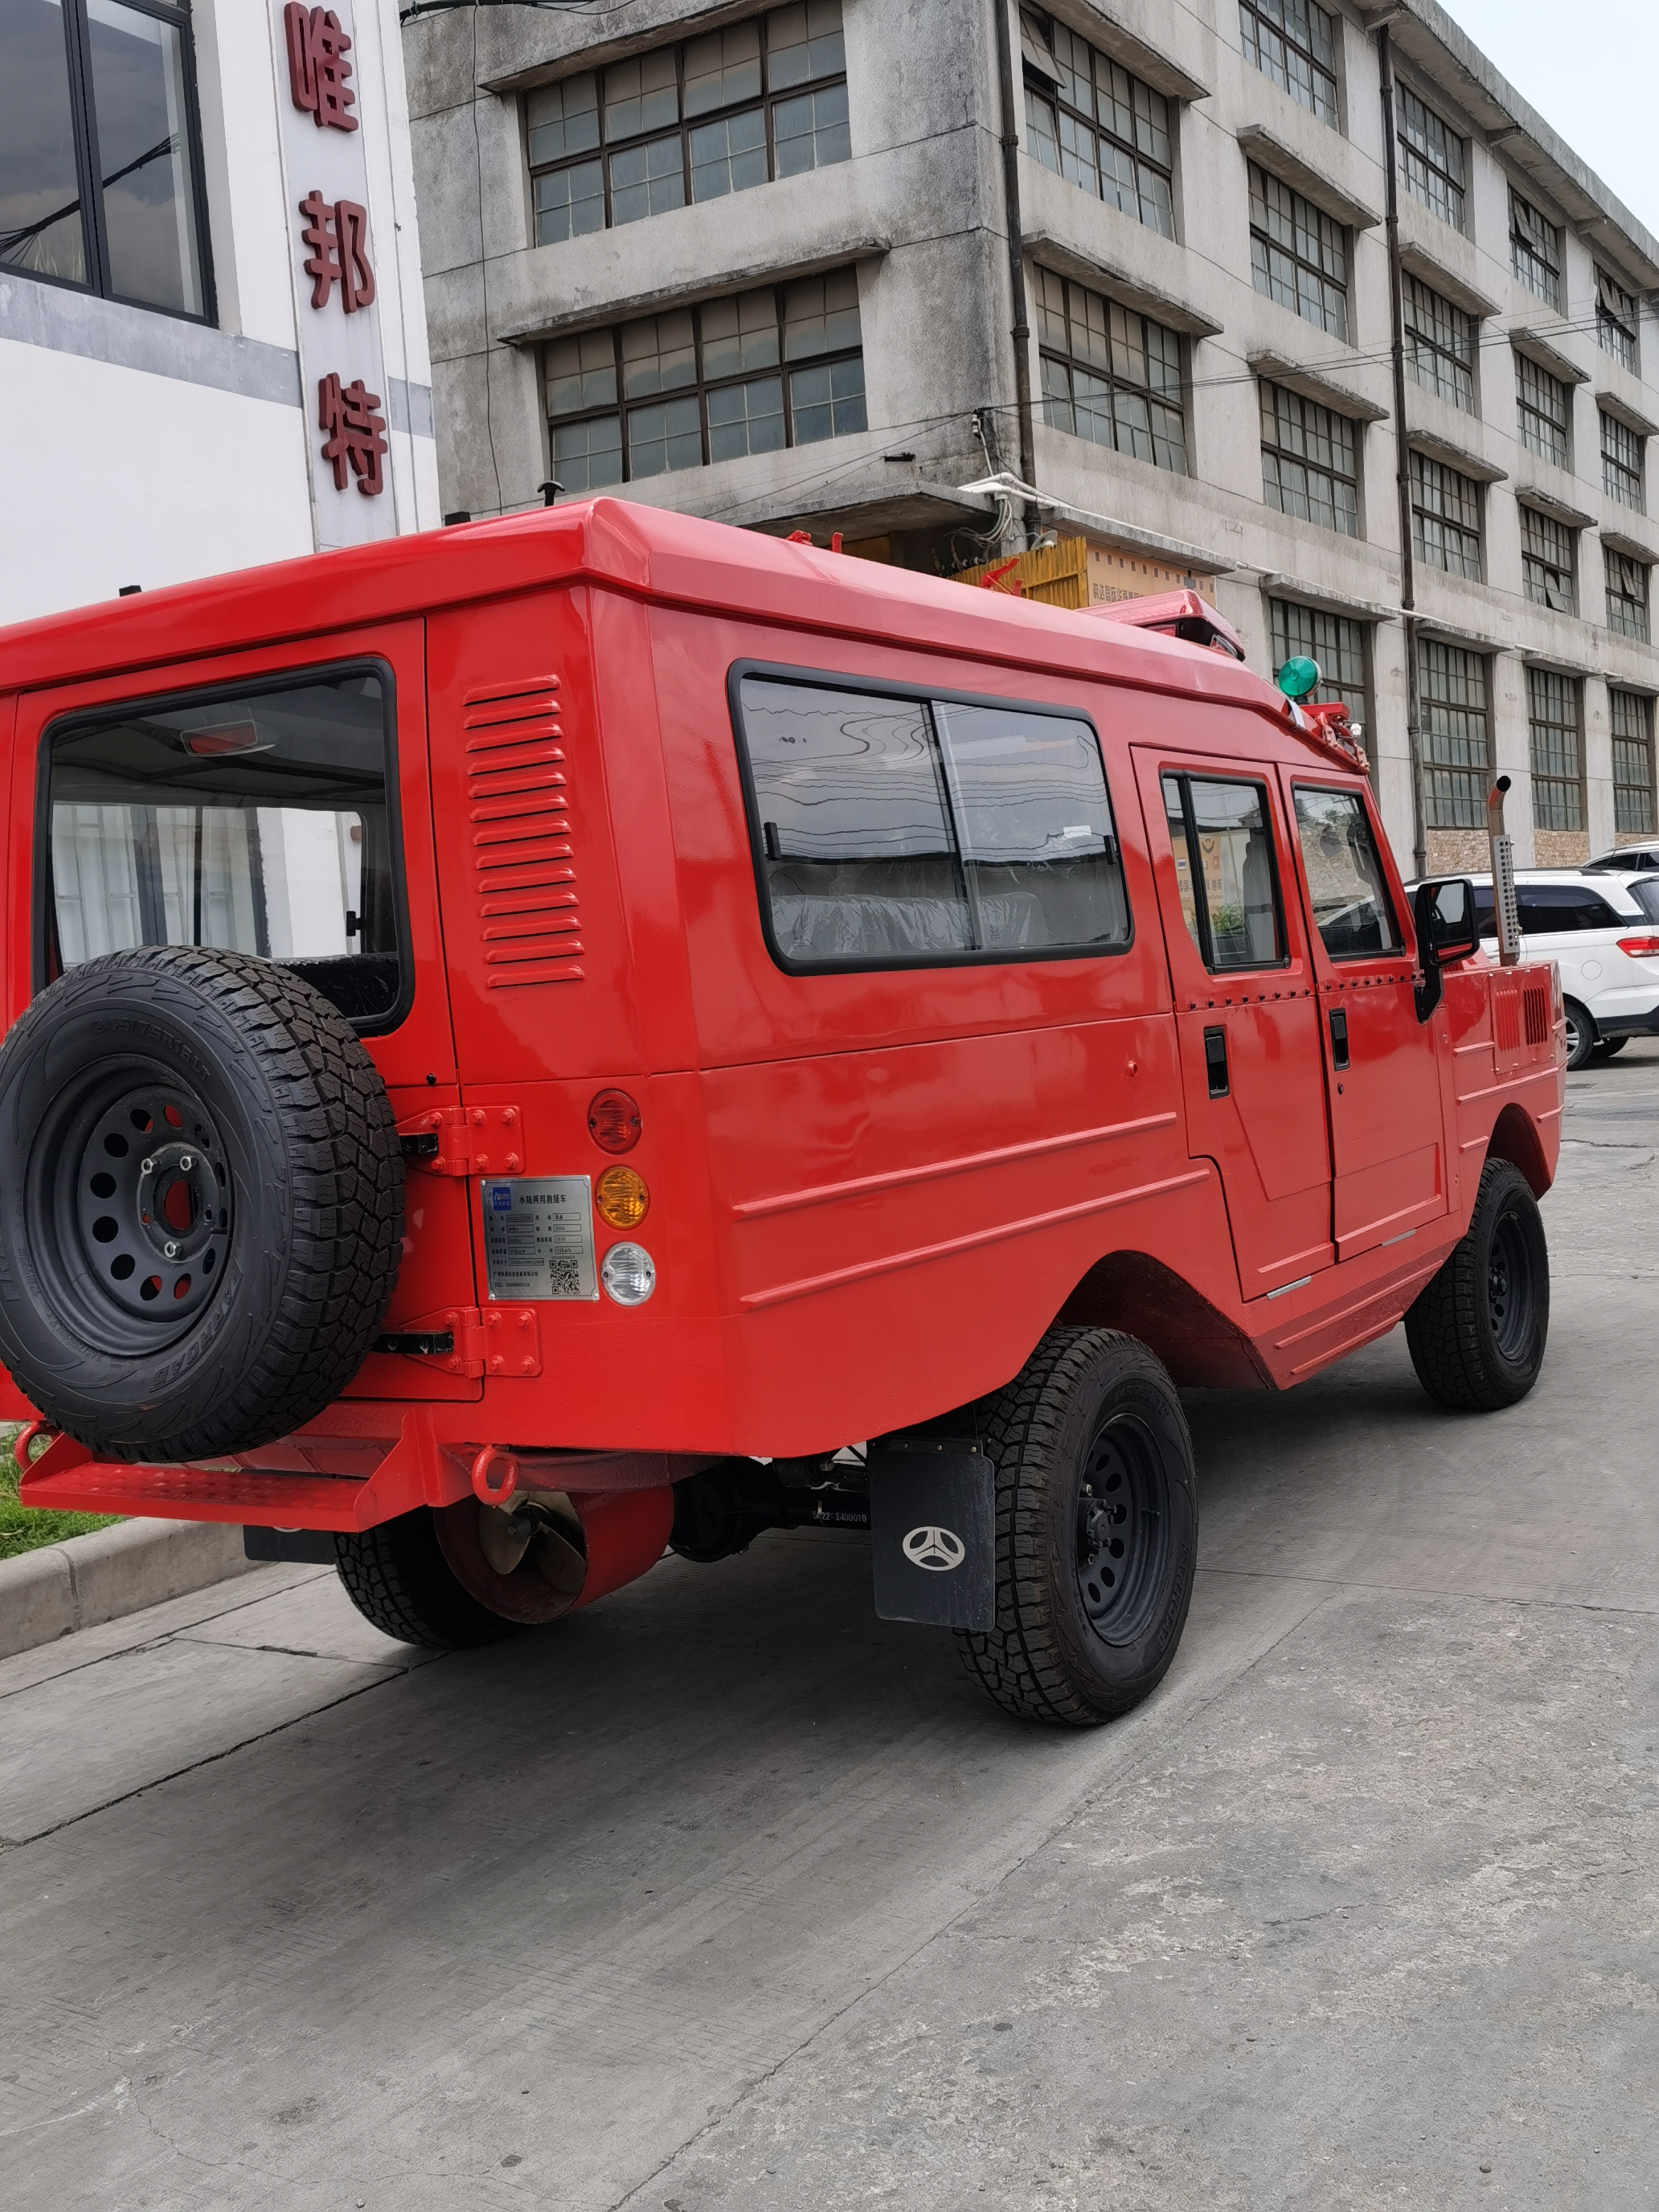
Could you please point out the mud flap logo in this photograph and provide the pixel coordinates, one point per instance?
(939, 1550)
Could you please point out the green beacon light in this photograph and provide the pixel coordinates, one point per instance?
(1297, 677)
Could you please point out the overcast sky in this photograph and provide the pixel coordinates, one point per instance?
(1591, 69)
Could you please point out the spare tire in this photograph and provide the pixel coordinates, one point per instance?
(201, 1203)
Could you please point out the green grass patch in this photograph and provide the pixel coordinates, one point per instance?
(26, 1528)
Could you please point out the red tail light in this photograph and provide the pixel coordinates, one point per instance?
(1640, 948)
(613, 1121)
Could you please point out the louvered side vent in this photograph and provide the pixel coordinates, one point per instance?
(1537, 999)
(1506, 1020)
(520, 817)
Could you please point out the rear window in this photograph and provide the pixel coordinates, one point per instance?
(898, 831)
(1646, 894)
(256, 821)
(1548, 909)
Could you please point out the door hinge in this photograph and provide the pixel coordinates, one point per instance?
(471, 1341)
(465, 1140)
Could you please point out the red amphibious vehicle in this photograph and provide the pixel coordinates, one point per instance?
(540, 1042)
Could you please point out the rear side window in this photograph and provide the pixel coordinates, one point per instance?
(1222, 843)
(253, 821)
(1646, 894)
(901, 830)
(1548, 909)
(1351, 907)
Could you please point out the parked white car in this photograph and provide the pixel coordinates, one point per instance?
(1626, 861)
(1601, 929)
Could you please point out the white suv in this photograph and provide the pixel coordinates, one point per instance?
(1602, 932)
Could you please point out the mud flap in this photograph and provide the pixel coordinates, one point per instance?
(932, 1532)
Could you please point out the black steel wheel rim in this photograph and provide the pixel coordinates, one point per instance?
(1510, 1301)
(1122, 1530)
(132, 1217)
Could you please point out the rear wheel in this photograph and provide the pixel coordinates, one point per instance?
(1477, 1332)
(1097, 1530)
(1606, 1047)
(1581, 1036)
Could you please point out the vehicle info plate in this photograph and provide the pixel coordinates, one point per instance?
(538, 1236)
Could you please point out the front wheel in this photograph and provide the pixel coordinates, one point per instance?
(1097, 1515)
(1477, 1332)
(1581, 1038)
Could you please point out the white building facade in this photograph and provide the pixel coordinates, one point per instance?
(212, 347)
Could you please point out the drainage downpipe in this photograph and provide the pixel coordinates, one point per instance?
(1402, 459)
(1007, 80)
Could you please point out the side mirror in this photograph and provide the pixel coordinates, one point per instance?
(1447, 929)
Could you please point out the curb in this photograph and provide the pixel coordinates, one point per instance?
(85, 1580)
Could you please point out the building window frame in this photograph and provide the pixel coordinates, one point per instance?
(1455, 690)
(1300, 257)
(1633, 794)
(1447, 529)
(1433, 158)
(1341, 643)
(1629, 591)
(1536, 256)
(784, 367)
(1295, 44)
(1140, 412)
(91, 183)
(1544, 411)
(1555, 738)
(1549, 560)
(1618, 321)
(602, 151)
(1128, 161)
(1624, 458)
(1443, 344)
(1311, 448)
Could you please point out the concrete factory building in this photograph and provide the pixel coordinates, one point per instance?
(1300, 302)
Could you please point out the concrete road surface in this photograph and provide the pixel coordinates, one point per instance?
(729, 1898)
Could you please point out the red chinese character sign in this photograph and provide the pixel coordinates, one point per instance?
(325, 126)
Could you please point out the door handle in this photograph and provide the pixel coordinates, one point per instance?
(1215, 1061)
(1338, 1038)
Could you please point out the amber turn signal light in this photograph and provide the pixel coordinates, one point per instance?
(622, 1197)
(613, 1121)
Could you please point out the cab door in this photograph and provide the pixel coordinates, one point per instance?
(1388, 1133)
(1246, 1013)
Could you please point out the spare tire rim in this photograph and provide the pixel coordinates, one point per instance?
(140, 1206)
(1122, 1530)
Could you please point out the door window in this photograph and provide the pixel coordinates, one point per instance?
(1222, 843)
(1548, 909)
(1351, 908)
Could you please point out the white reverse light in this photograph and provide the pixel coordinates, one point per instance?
(629, 1274)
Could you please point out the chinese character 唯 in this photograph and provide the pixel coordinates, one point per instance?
(338, 235)
(356, 433)
(317, 65)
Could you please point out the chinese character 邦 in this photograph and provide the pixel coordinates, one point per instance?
(338, 235)
(317, 65)
(356, 433)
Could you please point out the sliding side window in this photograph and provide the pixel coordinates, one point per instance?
(1222, 838)
(896, 830)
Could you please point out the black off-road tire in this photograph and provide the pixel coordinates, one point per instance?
(1583, 1036)
(1477, 1332)
(1089, 1407)
(398, 1578)
(229, 1096)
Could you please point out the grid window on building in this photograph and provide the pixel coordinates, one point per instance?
(1445, 518)
(1298, 254)
(1632, 763)
(1088, 119)
(1627, 595)
(1534, 249)
(1548, 562)
(1621, 462)
(1335, 642)
(1432, 160)
(1545, 407)
(1558, 789)
(1309, 461)
(1440, 343)
(1615, 318)
(1108, 374)
(781, 366)
(713, 115)
(1455, 707)
(1294, 43)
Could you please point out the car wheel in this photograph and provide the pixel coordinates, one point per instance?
(1097, 1518)
(1605, 1048)
(1581, 1036)
(398, 1576)
(1477, 1332)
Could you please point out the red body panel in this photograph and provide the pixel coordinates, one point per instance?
(871, 1192)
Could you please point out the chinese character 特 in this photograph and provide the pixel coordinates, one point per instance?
(317, 65)
(356, 433)
(338, 235)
